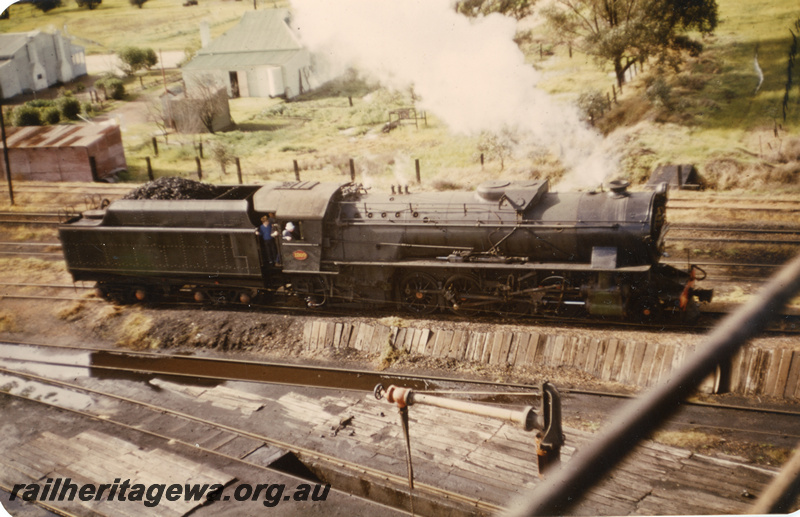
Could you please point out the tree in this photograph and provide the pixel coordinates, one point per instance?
(626, 31)
(46, 5)
(134, 59)
(519, 9)
(91, 4)
(205, 93)
(160, 117)
(138, 3)
(112, 87)
(499, 145)
(222, 154)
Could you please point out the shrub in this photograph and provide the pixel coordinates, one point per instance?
(592, 103)
(659, 93)
(113, 88)
(51, 115)
(134, 59)
(40, 103)
(70, 107)
(26, 115)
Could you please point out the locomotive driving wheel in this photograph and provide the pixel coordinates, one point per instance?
(463, 294)
(419, 293)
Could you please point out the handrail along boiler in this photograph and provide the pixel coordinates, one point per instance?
(511, 247)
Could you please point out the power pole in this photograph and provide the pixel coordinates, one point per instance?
(5, 150)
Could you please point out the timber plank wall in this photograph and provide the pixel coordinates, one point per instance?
(753, 371)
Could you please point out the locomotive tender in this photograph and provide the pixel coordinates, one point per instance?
(508, 247)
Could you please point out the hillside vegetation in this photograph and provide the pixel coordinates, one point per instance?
(709, 112)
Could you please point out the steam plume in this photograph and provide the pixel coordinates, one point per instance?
(470, 73)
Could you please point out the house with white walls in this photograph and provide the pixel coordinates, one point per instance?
(33, 61)
(260, 57)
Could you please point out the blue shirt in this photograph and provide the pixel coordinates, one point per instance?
(266, 231)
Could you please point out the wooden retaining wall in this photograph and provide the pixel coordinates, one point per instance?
(752, 371)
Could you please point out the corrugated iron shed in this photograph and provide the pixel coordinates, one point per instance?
(65, 152)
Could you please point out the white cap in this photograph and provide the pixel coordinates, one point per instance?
(289, 226)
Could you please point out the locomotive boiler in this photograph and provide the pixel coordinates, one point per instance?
(508, 247)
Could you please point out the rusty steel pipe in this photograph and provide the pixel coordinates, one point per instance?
(527, 418)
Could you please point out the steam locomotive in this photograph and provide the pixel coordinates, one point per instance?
(508, 247)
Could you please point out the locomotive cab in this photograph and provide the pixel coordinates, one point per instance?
(304, 204)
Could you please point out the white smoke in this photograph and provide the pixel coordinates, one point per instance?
(469, 72)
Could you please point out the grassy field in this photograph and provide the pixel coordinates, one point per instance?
(714, 116)
(160, 24)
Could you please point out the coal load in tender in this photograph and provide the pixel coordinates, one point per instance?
(175, 188)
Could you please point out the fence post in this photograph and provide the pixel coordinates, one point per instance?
(149, 168)
(239, 170)
(93, 168)
(352, 170)
(199, 168)
(201, 149)
(296, 170)
(416, 164)
(614, 91)
(155, 146)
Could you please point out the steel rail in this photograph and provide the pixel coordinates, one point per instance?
(532, 390)
(640, 417)
(193, 446)
(730, 240)
(733, 207)
(302, 451)
(728, 229)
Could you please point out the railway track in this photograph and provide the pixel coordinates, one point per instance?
(789, 323)
(783, 430)
(140, 412)
(33, 218)
(168, 423)
(48, 250)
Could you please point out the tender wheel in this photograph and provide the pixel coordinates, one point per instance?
(419, 293)
(463, 294)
